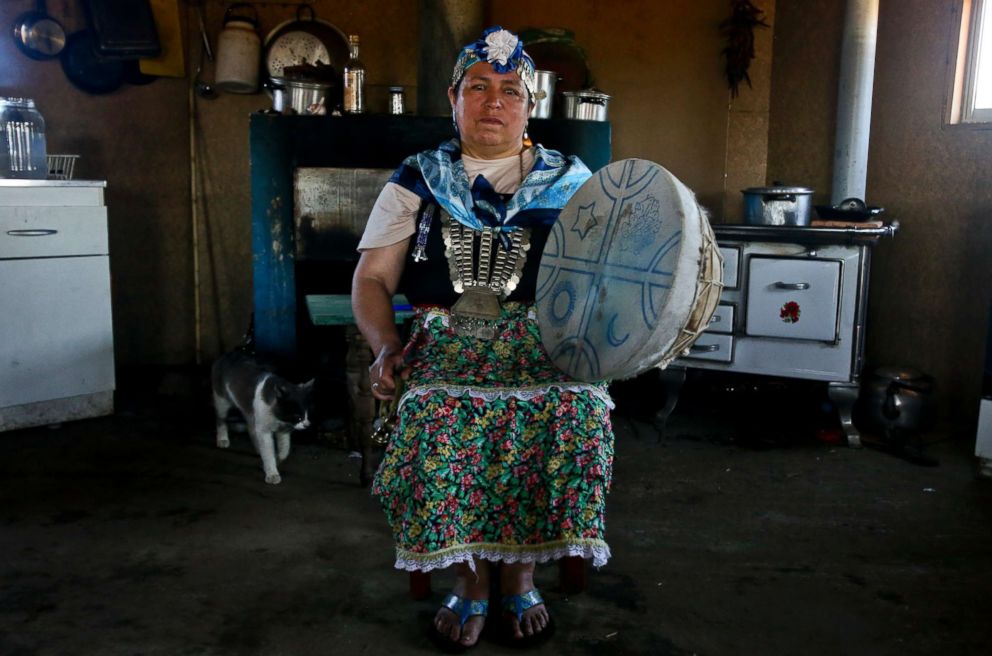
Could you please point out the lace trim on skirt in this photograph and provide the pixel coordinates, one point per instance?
(490, 394)
(596, 550)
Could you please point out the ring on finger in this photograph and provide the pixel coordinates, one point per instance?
(375, 386)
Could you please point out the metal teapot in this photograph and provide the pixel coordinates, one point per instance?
(895, 399)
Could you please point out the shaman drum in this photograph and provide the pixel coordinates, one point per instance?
(630, 275)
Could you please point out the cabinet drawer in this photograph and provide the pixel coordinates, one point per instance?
(731, 264)
(52, 231)
(722, 320)
(794, 299)
(52, 195)
(719, 348)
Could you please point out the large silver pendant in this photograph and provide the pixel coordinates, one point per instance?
(483, 271)
(476, 313)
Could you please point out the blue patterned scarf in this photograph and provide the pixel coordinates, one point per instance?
(440, 175)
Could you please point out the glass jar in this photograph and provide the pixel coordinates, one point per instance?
(22, 140)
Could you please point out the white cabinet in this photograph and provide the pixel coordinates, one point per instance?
(56, 335)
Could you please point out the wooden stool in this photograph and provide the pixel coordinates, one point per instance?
(335, 310)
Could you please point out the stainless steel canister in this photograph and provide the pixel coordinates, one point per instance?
(397, 100)
(544, 94)
(587, 105)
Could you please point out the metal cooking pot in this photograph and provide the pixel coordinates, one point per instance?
(777, 205)
(297, 97)
(587, 105)
(897, 398)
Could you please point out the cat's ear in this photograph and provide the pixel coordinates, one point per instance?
(308, 386)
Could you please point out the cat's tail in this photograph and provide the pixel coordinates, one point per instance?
(247, 344)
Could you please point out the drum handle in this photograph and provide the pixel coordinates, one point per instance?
(792, 286)
(704, 348)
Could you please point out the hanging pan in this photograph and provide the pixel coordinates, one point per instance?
(87, 70)
(38, 35)
(307, 40)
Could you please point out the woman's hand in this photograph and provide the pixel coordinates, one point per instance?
(383, 372)
(376, 277)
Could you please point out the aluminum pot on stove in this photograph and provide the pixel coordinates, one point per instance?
(298, 97)
(777, 205)
(587, 105)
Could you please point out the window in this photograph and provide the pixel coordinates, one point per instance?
(972, 99)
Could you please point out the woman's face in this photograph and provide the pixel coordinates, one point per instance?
(491, 110)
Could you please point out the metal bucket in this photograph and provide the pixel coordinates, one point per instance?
(588, 105)
(544, 94)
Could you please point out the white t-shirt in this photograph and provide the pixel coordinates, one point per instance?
(394, 214)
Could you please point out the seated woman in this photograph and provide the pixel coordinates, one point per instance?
(497, 457)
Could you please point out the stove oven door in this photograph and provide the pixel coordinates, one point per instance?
(793, 298)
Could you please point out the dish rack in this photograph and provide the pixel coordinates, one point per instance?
(60, 167)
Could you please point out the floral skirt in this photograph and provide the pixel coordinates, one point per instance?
(496, 453)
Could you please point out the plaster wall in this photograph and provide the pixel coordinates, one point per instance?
(930, 287)
(177, 165)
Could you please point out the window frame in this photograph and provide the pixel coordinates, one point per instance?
(975, 25)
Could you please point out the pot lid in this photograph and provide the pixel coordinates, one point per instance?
(777, 189)
(588, 93)
(300, 84)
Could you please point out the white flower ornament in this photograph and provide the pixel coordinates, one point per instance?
(500, 46)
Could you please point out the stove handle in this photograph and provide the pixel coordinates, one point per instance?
(36, 232)
(791, 286)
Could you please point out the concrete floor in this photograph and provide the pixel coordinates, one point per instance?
(134, 535)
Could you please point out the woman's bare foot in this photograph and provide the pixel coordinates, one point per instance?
(516, 579)
(470, 585)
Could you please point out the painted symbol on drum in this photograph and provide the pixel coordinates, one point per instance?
(639, 225)
(562, 303)
(585, 220)
(790, 312)
(611, 336)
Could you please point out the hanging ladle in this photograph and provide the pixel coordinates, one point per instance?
(203, 89)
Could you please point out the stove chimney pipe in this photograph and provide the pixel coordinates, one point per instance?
(444, 27)
(857, 75)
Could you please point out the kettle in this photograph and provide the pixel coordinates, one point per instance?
(897, 399)
(239, 50)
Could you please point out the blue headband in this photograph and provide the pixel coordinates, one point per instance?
(503, 50)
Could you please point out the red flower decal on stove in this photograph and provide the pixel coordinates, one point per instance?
(790, 312)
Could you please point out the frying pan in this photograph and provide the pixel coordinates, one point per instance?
(38, 35)
(86, 70)
(849, 209)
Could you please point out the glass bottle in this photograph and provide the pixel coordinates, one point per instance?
(354, 79)
(22, 140)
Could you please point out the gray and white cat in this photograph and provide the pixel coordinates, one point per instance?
(272, 406)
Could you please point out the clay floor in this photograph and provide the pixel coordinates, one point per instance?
(737, 531)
